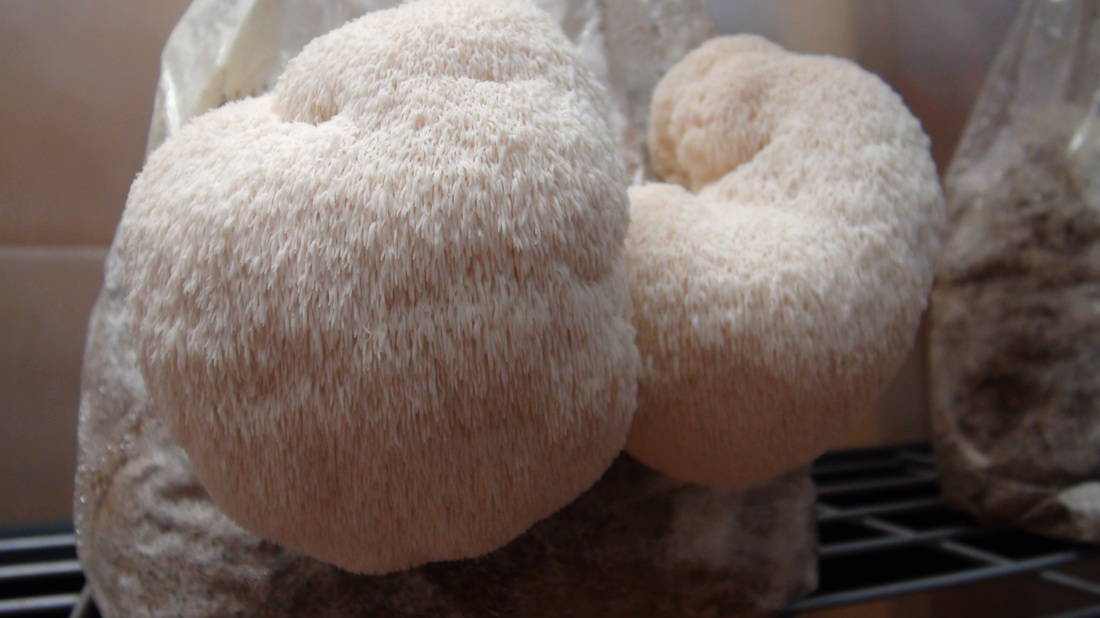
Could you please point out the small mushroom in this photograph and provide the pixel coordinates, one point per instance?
(779, 280)
(384, 308)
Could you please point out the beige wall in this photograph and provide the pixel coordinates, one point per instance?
(76, 85)
(77, 79)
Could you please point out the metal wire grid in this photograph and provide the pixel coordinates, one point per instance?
(884, 532)
(39, 575)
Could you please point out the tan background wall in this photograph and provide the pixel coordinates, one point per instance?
(76, 85)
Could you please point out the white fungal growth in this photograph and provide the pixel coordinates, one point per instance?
(778, 284)
(384, 308)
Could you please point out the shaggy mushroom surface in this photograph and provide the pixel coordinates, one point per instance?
(779, 278)
(384, 308)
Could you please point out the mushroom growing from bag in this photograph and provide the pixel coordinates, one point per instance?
(779, 279)
(384, 308)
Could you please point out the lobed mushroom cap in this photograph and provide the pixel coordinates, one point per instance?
(778, 284)
(384, 308)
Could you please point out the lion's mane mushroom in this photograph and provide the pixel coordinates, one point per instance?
(384, 309)
(778, 284)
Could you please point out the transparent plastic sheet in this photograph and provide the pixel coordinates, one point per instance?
(222, 51)
(1015, 342)
(152, 543)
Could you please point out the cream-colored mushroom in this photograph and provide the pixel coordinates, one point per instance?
(384, 309)
(778, 284)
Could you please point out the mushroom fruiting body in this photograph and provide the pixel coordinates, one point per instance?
(384, 308)
(778, 284)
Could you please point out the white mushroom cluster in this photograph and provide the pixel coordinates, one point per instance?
(778, 280)
(384, 308)
(393, 313)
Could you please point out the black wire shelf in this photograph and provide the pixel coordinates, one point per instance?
(884, 534)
